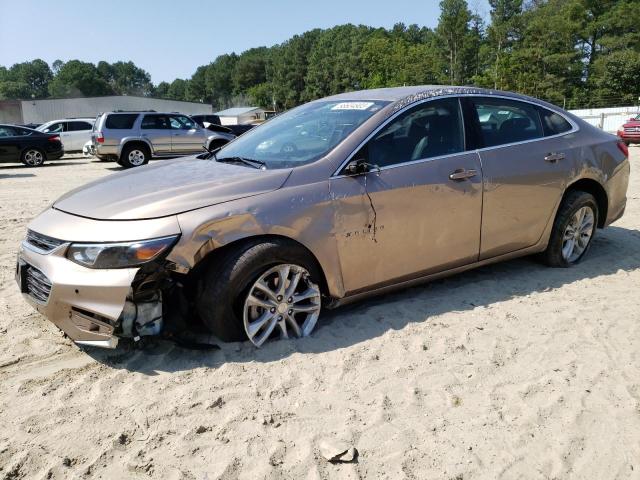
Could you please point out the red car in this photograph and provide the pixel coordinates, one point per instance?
(630, 131)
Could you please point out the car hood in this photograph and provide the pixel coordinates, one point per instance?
(634, 123)
(168, 188)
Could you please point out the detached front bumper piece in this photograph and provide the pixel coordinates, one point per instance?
(86, 304)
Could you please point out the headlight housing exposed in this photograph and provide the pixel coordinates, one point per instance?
(120, 254)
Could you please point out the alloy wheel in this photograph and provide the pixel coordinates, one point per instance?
(33, 158)
(283, 297)
(577, 234)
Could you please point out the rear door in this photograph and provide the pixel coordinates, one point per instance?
(156, 129)
(79, 133)
(524, 173)
(187, 136)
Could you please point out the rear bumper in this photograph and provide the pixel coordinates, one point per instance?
(84, 303)
(55, 155)
(617, 192)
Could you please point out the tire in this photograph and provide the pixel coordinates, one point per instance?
(225, 285)
(33, 157)
(574, 204)
(134, 155)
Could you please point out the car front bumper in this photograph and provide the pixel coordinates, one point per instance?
(84, 303)
(629, 137)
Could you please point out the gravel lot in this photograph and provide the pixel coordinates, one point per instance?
(510, 371)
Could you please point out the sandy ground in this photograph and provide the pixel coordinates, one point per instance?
(510, 371)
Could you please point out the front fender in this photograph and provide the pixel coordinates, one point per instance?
(303, 214)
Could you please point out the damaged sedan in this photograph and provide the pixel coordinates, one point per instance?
(338, 199)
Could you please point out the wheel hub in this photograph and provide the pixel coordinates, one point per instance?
(284, 297)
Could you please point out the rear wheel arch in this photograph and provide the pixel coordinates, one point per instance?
(593, 187)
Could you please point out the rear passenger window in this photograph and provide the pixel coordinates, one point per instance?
(121, 121)
(553, 123)
(155, 122)
(507, 121)
(78, 126)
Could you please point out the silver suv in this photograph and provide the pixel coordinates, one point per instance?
(132, 138)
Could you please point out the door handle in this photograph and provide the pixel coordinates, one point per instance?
(554, 157)
(462, 174)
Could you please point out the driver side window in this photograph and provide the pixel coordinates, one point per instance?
(431, 129)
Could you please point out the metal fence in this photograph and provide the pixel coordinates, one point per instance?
(607, 119)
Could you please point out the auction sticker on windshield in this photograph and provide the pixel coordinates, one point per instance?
(352, 106)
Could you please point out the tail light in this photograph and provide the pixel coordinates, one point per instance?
(623, 148)
(99, 137)
(55, 138)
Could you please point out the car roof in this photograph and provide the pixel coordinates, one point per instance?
(71, 119)
(403, 96)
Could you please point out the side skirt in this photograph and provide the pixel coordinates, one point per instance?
(337, 302)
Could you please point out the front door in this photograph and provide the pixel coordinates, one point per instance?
(156, 129)
(9, 144)
(187, 136)
(421, 212)
(524, 174)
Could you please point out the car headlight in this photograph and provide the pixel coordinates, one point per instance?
(121, 254)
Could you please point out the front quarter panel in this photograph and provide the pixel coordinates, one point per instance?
(303, 213)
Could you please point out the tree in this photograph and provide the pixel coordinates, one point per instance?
(125, 78)
(454, 34)
(26, 80)
(79, 79)
(178, 89)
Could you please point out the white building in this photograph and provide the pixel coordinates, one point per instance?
(241, 115)
(41, 111)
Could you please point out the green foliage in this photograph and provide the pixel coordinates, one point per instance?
(576, 53)
(79, 79)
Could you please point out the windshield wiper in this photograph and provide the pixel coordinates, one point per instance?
(247, 161)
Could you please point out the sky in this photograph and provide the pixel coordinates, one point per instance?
(171, 38)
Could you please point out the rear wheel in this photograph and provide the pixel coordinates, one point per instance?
(573, 230)
(261, 291)
(134, 156)
(33, 157)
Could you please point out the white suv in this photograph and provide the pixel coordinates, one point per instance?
(74, 132)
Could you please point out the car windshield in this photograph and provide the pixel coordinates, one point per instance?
(301, 135)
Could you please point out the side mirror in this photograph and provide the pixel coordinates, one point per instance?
(358, 166)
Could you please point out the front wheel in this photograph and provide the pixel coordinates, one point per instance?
(261, 291)
(33, 157)
(573, 230)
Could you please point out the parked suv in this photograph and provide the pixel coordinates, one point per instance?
(73, 132)
(630, 131)
(133, 138)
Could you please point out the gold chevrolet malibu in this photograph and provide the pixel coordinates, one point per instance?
(341, 198)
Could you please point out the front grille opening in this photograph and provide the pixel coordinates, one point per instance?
(38, 285)
(42, 242)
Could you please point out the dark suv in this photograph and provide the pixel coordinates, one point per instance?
(133, 138)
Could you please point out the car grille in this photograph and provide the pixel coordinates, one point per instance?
(632, 129)
(37, 284)
(42, 242)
